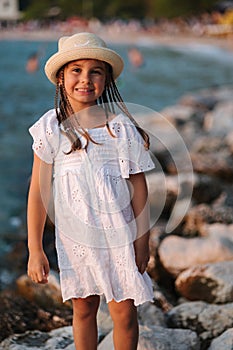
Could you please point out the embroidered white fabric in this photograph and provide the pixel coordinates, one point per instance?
(94, 221)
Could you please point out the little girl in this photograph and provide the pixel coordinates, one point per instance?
(92, 160)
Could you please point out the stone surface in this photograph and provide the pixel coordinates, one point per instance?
(220, 119)
(178, 254)
(44, 295)
(201, 215)
(19, 315)
(150, 314)
(58, 339)
(158, 338)
(212, 283)
(223, 342)
(209, 321)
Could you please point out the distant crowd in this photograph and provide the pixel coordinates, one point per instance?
(214, 23)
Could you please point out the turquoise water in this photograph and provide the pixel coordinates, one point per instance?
(167, 74)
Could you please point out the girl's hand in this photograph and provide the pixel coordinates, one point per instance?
(142, 255)
(38, 267)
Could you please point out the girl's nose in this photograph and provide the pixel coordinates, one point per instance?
(86, 77)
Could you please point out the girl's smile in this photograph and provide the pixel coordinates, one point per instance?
(84, 82)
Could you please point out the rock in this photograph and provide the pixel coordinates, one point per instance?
(204, 99)
(158, 338)
(207, 99)
(178, 254)
(217, 164)
(219, 230)
(229, 141)
(43, 295)
(220, 119)
(174, 193)
(154, 241)
(208, 320)
(157, 189)
(149, 314)
(206, 189)
(212, 283)
(58, 339)
(223, 342)
(197, 217)
(179, 114)
(19, 315)
(211, 155)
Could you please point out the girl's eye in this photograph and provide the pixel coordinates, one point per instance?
(77, 70)
(95, 71)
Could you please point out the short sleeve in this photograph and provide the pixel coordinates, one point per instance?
(45, 134)
(132, 155)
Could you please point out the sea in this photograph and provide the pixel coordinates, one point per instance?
(166, 74)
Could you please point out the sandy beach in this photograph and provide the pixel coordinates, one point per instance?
(121, 35)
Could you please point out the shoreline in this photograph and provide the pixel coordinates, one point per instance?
(130, 38)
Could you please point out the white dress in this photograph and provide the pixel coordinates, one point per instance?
(94, 222)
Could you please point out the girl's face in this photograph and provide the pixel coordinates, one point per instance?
(84, 82)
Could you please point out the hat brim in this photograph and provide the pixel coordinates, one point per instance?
(59, 59)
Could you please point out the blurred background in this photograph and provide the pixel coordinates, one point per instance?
(171, 49)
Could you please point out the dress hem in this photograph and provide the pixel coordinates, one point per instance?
(108, 300)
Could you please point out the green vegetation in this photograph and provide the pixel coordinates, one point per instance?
(107, 9)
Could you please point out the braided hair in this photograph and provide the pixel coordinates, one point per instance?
(108, 100)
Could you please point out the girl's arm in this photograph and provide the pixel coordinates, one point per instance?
(140, 207)
(38, 200)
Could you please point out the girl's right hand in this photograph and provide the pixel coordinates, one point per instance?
(38, 267)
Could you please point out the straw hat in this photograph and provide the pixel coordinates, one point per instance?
(82, 46)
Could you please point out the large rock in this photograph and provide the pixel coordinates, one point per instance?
(219, 230)
(212, 283)
(220, 119)
(206, 189)
(19, 315)
(199, 216)
(211, 155)
(208, 320)
(223, 342)
(158, 338)
(179, 113)
(149, 314)
(58, 339)
(204, 99)
(178, 254)
(170, 197)
(42, 294)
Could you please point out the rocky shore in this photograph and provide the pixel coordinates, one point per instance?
(191, 261)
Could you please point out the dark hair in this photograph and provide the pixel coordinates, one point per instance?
(110, 97)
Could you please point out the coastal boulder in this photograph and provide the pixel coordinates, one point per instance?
(158, 338)
(199, 217)
(208, 320)
(223, 342)
(59, 339)
(204, 99)
(212, 283)
(179, 113)
(220, 119)
(149, 314)
(44, 295)
(19, 314)
(178, 254)
(211, 156)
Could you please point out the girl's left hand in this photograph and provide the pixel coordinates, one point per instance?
(142, 255)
